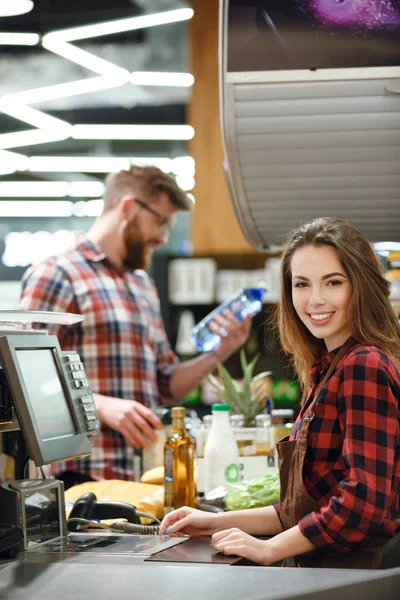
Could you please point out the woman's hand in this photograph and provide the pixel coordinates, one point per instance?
(235, 541)
(189, 521)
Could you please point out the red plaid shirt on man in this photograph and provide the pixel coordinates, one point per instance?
(352, 463)
(122, 340)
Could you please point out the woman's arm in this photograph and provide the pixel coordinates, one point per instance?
(254, 521)
(265, 552)
(369, 425)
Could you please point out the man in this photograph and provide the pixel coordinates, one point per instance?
(122, 341)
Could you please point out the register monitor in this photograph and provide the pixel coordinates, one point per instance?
(51, 396)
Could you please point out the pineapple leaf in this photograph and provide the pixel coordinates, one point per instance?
(215, 383)
(243, 360)
(247, 377)
(230, 389)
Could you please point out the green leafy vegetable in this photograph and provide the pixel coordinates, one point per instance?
(255, 493)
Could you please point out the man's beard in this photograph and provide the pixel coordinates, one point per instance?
(137, 254)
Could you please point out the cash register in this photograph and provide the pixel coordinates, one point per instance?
(44, 393)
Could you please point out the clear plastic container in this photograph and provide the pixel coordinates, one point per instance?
(242, 303)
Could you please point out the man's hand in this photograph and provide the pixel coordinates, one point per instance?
(235, 337)
(133, 420)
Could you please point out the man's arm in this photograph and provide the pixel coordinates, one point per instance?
(189, 374)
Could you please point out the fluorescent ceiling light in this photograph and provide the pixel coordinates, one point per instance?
(91, 208)
(183, 164)
(132, 132)
(185, 181)
(11, 162)
(162, 79)
(10, 8)
(33, 136)
(18, 39)
(120, 25)
(61, 208)
(93, 164)
(83, 58)
(32, 208)
(64, 90)
(30, 115)
(50, 189)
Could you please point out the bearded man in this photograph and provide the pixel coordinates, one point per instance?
(122, 341)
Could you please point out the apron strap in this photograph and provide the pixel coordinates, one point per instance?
(343, 350)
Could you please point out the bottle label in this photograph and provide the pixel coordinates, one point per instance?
(232, 474)
(168, 465)
(168, 481)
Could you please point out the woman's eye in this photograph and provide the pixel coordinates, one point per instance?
(335, 282)
(300, 285)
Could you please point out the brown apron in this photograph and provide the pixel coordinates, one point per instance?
(295, 502)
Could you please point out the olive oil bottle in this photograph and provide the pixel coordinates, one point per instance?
(178, 465)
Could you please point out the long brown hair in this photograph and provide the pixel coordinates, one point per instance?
(372, 319)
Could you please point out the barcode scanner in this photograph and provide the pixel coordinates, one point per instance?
(88, 507)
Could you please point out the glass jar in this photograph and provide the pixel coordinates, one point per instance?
(265, 441)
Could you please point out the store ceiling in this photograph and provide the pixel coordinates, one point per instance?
(161, 48)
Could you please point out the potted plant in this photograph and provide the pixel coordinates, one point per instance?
(247, 397)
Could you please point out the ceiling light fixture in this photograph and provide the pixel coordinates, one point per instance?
(30, 115)
(132, 132)
(82, 57)
(93, 164)
(11, 162)
(11, 8)
(35, 208)
(51, 189)
(18, 39)
(31, 137)
(162, 79)
(64, 90)
(118, 26)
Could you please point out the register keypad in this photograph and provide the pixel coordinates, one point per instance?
(78, 381)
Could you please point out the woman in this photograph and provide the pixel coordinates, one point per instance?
(340, 467)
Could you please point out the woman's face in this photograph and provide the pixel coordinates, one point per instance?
(321, 293)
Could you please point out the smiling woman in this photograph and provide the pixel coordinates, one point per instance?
(340, 467)
(322, 299)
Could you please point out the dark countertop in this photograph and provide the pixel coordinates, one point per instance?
(119, 574)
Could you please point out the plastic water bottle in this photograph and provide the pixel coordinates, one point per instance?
(221, 455)
(242, 303)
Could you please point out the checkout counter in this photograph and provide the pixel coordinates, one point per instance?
(52, 563)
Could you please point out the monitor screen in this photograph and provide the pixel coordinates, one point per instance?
(270, 35)
(47, 397)
(48, 401)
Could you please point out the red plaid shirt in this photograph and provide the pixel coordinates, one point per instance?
(352, 464)
(122, 341)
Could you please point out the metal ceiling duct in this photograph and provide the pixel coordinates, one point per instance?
(310, 108)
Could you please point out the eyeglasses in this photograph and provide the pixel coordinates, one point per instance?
(165, 224)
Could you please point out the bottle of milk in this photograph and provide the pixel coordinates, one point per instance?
(221, 455)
